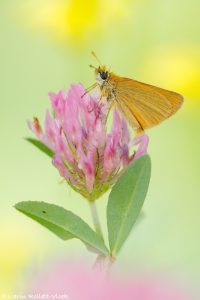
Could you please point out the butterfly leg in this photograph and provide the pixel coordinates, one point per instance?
(90, 88)
(109, 109)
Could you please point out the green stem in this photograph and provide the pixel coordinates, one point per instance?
(95, 219)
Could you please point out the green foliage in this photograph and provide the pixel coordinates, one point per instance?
(126, 200)
(40, 146)
(63, 223)
(124, 205)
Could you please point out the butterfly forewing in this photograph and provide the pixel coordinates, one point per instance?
(146, 104)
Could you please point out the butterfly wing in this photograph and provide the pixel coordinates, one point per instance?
(145, 105)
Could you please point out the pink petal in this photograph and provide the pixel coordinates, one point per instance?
(59, 164)
(143, 141)
(58, 104)
(36, 128)
(86, 163)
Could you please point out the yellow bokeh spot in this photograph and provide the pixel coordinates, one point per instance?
(15, 252)
(73, 19)
(81, 16)
(176, 68)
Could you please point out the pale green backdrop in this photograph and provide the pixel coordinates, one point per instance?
(45, 46)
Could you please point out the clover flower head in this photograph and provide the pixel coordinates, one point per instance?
(88, 155)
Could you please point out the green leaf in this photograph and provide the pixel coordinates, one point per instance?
(40, 146)
(63, 223)
(126, 200)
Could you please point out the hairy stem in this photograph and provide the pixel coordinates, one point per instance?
(95, 219)
(104, 264)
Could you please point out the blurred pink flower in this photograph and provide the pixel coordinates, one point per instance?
(87, 155)
(76, 281)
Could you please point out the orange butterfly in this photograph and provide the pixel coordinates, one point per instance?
(143, 105)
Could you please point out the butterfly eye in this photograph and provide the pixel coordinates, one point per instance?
(104, 75)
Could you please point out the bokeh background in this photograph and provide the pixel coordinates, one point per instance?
(45, 46)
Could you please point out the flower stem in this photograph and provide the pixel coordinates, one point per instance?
(104, 265)
(95, 219)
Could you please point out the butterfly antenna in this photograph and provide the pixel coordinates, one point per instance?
(91, 66)
(93, 53)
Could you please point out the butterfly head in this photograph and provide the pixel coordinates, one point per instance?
(101, 72)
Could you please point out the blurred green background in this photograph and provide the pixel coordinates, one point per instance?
(45, 46)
